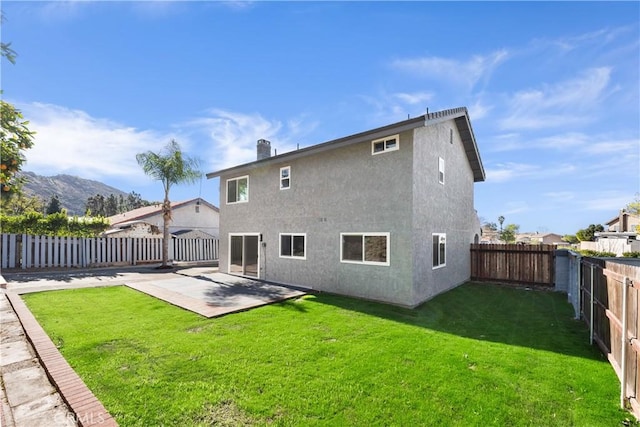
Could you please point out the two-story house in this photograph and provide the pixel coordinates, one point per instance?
(387, 214)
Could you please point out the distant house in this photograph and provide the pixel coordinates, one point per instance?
(624, 222)
(541, 238)
(197, 216)
(621, 235)
(489, 235)
(387, 214)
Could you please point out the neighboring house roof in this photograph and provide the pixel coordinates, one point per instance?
(625, 220)
(192, 234)
(459, 115)
(147, 211)
(128, 225)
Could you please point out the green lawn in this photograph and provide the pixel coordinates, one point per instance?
(478, 355)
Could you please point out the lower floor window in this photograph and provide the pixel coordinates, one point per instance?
(365, 248)
(293, 245)
(439, 249)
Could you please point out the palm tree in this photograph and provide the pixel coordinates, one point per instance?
(171, 167)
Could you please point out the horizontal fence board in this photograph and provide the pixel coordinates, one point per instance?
(513, 263)
(21, 251)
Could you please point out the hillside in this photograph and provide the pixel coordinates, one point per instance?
(72, 191)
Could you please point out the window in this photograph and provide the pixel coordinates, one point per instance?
(441, 170)
(238, 190)
(439, 249)
(365, 248)
(382, 145)
(285, 178)
(293, 246)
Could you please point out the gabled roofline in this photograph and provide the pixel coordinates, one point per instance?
(158, 209)
(460, 115)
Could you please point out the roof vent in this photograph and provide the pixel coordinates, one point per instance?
(264, 149)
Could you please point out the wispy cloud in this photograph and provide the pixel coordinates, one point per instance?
(233, 135)
(503, 172)
(71, 141)
(565, 103)
(74, 142)
(461, 72)
(560, 195)
(414, 98)
(63, 10)
(613, 201)
(614, 146)
(515, 207)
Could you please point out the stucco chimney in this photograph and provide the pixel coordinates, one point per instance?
(264, 149)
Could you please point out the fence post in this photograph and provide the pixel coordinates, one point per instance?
(591, 305)
(26, 243)
(623, 348)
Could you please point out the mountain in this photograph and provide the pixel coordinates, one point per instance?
(72, 191)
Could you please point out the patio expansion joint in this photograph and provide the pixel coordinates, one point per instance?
(57, 369)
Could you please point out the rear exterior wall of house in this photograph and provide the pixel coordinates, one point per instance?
(344, 190)
(421, 191)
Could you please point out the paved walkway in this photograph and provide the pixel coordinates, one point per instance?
(39, 388)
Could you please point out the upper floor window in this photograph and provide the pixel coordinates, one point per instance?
(285, 178)
(439, 249)
(365, 248)
(293, 246)
(388, 143)
(238, 190)
(440, 170)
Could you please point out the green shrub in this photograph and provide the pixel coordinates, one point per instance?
(57, 224)
(596, 254)
(633, 254)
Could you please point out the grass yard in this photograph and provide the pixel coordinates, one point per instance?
(477, 355)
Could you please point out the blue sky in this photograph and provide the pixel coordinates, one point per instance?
(552, 89)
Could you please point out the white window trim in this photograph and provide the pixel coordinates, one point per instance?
(441, 170)
(385, 150)
(387, 235)
(229, 250)
(292, 235)
(288, 177)
(435, 267)
(227, 189)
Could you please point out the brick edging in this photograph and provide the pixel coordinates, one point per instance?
(81, 401)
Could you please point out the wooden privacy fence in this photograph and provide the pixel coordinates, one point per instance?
(610, 298)
(21, 251)
(525, 264)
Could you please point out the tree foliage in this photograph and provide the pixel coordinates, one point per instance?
(15, 137)
(588, 234)
(170, 167)
(491, 226)
(54, 205)
(634, 206)
(99, 205)
(508, 234)
(570, 238)
(21, 203)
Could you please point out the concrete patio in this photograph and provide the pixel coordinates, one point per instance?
(38, 385)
